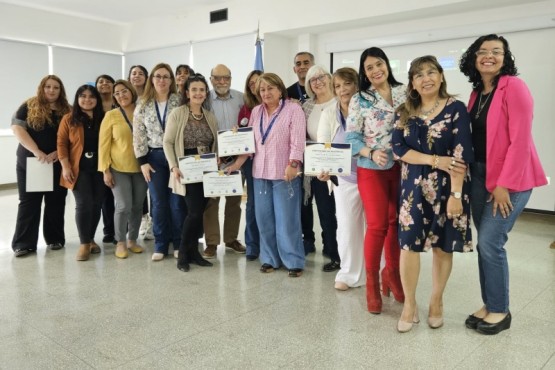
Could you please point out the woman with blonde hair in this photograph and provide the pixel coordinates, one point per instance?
(35, 126)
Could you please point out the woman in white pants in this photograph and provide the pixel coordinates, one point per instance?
(349, 210)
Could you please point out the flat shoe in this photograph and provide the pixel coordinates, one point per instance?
(487, 328)
(339, 285)
(183, 266)
(136, 248)
(251, 257)
(157, 256)
(121, 250)
(95, 249)
(20, 252)
(332, 266)
(266, 268)
(472, 322)
(293, 273)
(55, 246)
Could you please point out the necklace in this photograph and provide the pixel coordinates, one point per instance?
(481, 106)
(425, 115)
(197, 118)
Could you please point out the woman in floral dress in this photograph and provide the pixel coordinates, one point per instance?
(432, 138)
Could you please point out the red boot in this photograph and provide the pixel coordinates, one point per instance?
(373, 297)
(391, 282)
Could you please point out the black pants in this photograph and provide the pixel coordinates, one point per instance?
(29, 210)
(89, 193)
(196, 203)
(108, 210)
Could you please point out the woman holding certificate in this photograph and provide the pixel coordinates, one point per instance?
(149, 124)
(78, 154)
(121, 170)
(369, 126)
(192, 129)
(279, 134)
(35, 125)
(350, 213)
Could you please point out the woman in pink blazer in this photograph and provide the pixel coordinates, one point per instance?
(505, 171)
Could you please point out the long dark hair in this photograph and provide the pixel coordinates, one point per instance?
(78, 117)
(467, 64)
(197, 77)
(363, 83)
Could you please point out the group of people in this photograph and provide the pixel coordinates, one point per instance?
(422, 160)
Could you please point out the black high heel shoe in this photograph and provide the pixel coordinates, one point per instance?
(487, 328)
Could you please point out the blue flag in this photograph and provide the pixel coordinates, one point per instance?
(258, 64)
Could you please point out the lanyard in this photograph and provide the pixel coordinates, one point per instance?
(265, 134)
(342, 118)
(301, 95)
(126, 119)
(162, 121)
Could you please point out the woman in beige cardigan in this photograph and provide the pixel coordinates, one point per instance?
(191, 129)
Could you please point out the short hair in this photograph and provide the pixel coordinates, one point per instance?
(106, 77)
(271, 79)
(467, 64)
(310, 55)
(414, 100)
(189, 70)
(197, 77)
(129, 87)
(78, 117)
(313, 71)
(150, 92)
(251, 100)
(364, 84)
(347, 74)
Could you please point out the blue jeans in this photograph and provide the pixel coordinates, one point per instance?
(252, 237)
(492, 237)
(168, 209)
(277, 203)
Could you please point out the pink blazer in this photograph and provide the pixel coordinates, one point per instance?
(512, 160)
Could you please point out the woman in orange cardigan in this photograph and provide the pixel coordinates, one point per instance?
(78, 154)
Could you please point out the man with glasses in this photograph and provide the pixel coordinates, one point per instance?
(225, 103)
(301, 63)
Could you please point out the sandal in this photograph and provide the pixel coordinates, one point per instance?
(295, 273)
(266, 268)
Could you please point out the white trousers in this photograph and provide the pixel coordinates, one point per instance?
(350, 234)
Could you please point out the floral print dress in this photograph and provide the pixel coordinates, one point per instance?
(423, 222)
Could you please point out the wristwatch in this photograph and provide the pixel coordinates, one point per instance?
(294, 163)
(456, 194)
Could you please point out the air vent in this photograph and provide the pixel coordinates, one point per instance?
(218, 16)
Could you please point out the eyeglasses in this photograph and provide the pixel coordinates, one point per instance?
(320, 78)
(494, 52)
(221, 78)
(160, 77)
(121, 92)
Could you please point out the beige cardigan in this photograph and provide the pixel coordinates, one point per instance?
(173, 140)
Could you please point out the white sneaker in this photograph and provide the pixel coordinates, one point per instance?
(144, 225)
(157, 256)
(176, 254)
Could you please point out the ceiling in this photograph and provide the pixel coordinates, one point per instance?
(116, 11)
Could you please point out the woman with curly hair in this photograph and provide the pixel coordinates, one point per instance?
(35, 125)
(506, 170)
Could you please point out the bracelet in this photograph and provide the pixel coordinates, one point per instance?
(435, 162)
(294, 163)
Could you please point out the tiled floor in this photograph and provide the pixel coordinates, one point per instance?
(56, 313)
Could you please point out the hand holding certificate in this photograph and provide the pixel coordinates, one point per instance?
(235, 142)
(218, 183)
(193, 166)
(327, 157)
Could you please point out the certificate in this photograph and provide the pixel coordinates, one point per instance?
(327, 157)
(193, 166)
(219, 183)
(40, 176)
(235, 142)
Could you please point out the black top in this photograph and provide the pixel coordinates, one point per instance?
(478, 117)
(44, 138)
(293, 92)
(91, 136)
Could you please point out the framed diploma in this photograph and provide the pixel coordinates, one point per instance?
(327, 157)
(219, 183)
(193, 166)
(235, 142)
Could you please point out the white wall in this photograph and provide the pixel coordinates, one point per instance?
(8, 146)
